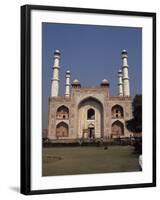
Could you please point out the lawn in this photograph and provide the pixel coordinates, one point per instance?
(87, 160)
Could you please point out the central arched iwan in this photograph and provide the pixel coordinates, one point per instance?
(90, 110)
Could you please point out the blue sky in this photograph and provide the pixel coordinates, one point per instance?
(91, 53)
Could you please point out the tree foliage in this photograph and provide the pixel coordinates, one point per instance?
(135, 124)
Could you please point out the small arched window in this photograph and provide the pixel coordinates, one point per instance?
(90, 114)
(117, 111)
(62, 112)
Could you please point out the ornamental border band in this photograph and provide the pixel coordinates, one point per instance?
(88, 113)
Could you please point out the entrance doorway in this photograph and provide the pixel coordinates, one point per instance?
(91, 132)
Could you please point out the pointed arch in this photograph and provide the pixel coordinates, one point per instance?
(117, 111)
(90, 98)
(117, 128)
(91, 125)
(62, 112)
(62, 130)
(91, 114)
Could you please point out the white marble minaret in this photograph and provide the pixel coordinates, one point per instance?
(67, 92)
(55, 78)
(125, 78)
(120, 84)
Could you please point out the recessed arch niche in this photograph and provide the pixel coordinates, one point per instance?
(117, 128)
(62, 130)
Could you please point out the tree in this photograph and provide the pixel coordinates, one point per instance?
(135, 124)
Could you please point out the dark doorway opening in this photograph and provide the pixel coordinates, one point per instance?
(91, 132)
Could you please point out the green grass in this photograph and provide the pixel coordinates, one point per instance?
(87, 160)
